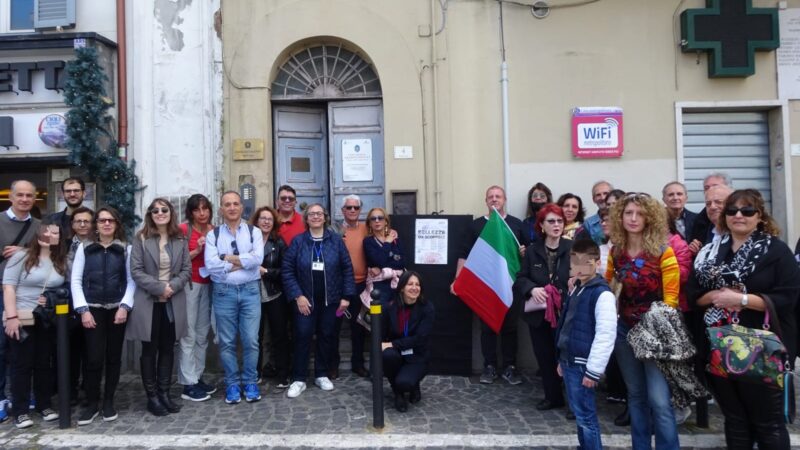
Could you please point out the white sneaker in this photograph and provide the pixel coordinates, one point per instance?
(296, 389)
(324, 383)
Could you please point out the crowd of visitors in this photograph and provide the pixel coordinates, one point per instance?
(640, 294)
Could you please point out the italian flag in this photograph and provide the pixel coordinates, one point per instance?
(484, 282)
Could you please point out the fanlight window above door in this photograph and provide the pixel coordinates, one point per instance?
(325, 72)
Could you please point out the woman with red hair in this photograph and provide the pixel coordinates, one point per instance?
(541, 282)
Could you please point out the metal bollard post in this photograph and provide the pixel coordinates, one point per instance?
(702, 413)
(376, 359)
(62, 349)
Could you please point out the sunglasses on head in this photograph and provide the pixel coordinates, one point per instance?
(747, 211)
(636, 196)
(162, 210)
(352, 208)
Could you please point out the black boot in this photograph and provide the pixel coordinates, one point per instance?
(415, 395)
(400, 402)
(148, 369)
(164, 382)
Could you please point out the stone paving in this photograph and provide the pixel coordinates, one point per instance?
(451, 407)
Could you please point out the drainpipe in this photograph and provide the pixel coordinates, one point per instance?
(504, 87)
(434, 70)
(122, 82)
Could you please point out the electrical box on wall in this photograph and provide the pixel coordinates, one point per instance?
(7, 131)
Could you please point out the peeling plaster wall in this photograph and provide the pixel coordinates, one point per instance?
(176, 97)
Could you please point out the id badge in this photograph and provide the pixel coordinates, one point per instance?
(317, 265)
(407, 352)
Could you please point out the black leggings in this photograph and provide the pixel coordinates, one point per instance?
(162, 336)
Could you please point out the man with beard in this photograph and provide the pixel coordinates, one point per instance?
(74, 190)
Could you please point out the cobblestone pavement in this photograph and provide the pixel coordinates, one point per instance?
(455, 412)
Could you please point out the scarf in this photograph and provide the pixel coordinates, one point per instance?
(553, 305)
(713, 273)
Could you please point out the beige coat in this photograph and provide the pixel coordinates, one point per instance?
(144, 270)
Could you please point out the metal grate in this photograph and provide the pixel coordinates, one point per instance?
(325, 72)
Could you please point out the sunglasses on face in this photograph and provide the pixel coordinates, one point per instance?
(747, 211)
(162, 210)
(106, 220)
(352, 208)
(287, 198)
(377, 218)
(554, 221)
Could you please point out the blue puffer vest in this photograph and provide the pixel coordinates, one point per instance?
(104, 276)
(576, 327)
(296, 269)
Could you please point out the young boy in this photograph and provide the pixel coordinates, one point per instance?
(585, 338)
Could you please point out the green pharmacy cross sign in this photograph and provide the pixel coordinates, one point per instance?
(730, 31)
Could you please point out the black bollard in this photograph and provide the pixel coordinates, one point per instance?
(702, 413)
(376, 359)
(62, 359)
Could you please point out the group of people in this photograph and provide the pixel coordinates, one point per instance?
(588, 289)
(169, 284)
(629, 293)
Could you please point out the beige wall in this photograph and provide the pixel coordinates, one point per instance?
(610, 53)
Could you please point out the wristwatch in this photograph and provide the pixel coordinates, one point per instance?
(744, 299)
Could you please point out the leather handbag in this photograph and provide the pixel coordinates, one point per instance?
(748, 354)
(25, 316)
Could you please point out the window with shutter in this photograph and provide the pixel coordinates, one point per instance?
(53, 13)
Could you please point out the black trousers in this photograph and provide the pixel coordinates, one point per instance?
(103, 350)
(544, 348)
(358, 334)
(402, 375)
(275, 315)
(753, 413)
(162, 336)
(31, 359)
(508, 338)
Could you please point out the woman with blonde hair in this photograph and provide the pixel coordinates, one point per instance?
(384, 259)
(161, 267)
(646, 267)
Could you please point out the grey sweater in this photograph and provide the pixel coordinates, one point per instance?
(8, 232)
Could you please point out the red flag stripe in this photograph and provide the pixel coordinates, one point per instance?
(481, 299)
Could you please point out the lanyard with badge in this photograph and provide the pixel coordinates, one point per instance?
(318, 262)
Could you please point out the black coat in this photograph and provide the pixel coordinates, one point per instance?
(420, 325)
(701, 228)
(534, 273)
(273, 256)
(776, 277)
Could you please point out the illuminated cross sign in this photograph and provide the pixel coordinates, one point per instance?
(730, 31)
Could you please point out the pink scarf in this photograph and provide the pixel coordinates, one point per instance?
(553, 305)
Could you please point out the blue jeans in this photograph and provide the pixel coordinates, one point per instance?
(237, 308)
(648, 398)
(3, 345)
(322, 322)
(581, 401)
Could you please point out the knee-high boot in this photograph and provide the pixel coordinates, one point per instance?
(148, 369)
(164, 382)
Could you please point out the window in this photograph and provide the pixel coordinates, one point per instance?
(21, 15)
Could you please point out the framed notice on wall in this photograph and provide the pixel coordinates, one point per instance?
(597, 132)
(356, 159)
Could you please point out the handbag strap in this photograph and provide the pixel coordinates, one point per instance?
(19, 237)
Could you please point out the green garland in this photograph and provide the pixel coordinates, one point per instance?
(90, 142)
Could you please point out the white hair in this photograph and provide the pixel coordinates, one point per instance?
(352, 197)
(726, 179)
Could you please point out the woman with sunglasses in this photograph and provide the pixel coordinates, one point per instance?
(27, 275)
(193, 346)
(102, 295)
(538, 195)
(572, 206)
(744, 275)
(161, 267)
(318, 277)
(541, 282)
(646, 267)
(274, 308)
(384, 259)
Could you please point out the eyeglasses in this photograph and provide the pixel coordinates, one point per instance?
(162, 210)
(316, 214)
(539, 196)
(747, 211)
(554, 221)
(72, 191)
(106, 220)
(287, 198)
(377, 218)
(266, 219)
(352, 208)
(82, 223)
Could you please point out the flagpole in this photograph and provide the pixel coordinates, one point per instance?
(508, 227)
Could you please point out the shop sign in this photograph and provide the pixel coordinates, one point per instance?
(597, 132)
(53, 130)
(53, 77)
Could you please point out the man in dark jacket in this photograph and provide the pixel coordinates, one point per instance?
(674, 196)
(702, 229)
(74, 191)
